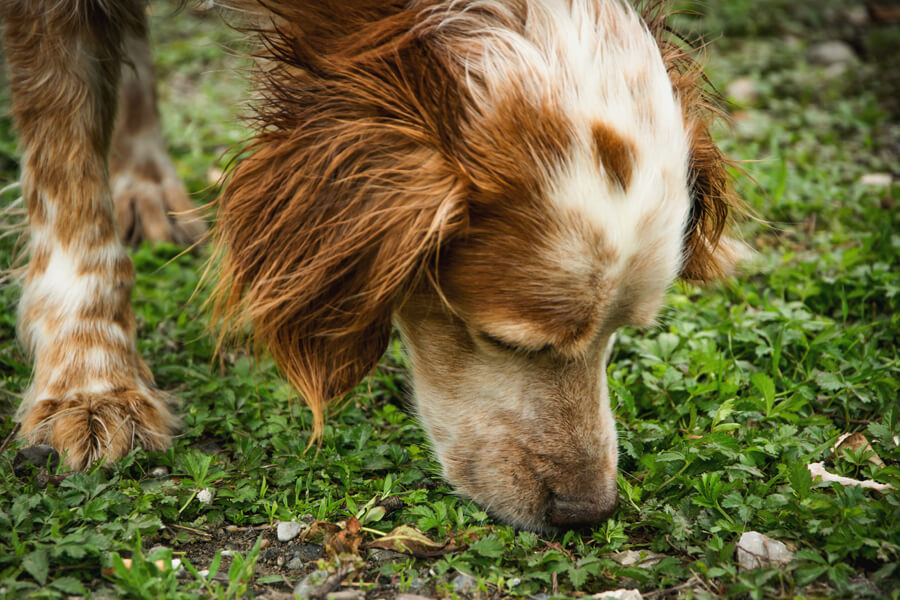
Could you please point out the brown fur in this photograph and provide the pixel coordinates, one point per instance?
(91, 427)
(344, 199)
(615, 154)
(151, 203)
(329, 221)
(91, 394)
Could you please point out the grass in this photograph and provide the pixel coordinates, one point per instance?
(719, 409)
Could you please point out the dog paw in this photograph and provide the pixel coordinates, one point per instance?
(85, 427)
(152, 205)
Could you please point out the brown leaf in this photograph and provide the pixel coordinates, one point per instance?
(318, 531)
(346, 540)
(855, 441)
(411, 541)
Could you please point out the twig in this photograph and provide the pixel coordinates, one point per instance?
(233, 528)
(10, 437)
(190, 529)
(554, 584)
(91, 565)
(332, 583)
(671, 590)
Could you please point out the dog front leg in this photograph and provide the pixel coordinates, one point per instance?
(91, 396)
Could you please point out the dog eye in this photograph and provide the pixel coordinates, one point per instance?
(500, 344)
(507, 347)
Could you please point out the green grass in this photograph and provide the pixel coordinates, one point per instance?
(719, 409)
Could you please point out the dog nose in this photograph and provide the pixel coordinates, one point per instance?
(573, 512)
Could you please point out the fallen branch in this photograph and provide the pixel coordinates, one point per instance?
(817, 470)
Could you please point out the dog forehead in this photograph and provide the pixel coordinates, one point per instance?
(578, 141)
(535, 273)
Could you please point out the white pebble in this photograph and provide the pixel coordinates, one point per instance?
(288, 530)
(755, 550)
(620, 594)
(159, 472)
(877, 180)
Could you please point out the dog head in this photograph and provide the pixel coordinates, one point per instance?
(510, 183)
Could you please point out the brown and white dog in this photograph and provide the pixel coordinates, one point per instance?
(506, 181)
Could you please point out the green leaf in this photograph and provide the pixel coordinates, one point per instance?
(69, 585)
(829, 381)
(766, 388)
(37, 565)
(801, 479)
(490, 547)
(723, 412)
(578, 577)
(266, 579)
(214, 565)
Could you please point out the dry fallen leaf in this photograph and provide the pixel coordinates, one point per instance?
(409, 540)
(855, 441)
(318, 531)
(346, 540)
(817, 470)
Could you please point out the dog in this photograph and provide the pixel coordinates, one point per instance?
(507, 182)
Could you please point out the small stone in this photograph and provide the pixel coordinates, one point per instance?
(159, 472)
(279, 560)
(264, 543)
(743, 91)
(269, 554)
(411, 597)
(877, 180)
(35, 457)
(308, 519)
(620, 594)
(205, 496)
(464, 584)
(295, 564)
(831, 52)
(288, 530)
(346, 595)
(644, 558)
(755, 550)
(857, 15)
(309, 584)
(309, 552)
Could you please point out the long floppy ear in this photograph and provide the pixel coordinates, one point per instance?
(710, 253)
(343, 196)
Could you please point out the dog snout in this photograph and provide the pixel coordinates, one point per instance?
(575, 512)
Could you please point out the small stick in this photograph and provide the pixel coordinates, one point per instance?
(10, 437)
(190, 529)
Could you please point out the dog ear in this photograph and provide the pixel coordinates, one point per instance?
(709, 252)
(343, 198)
